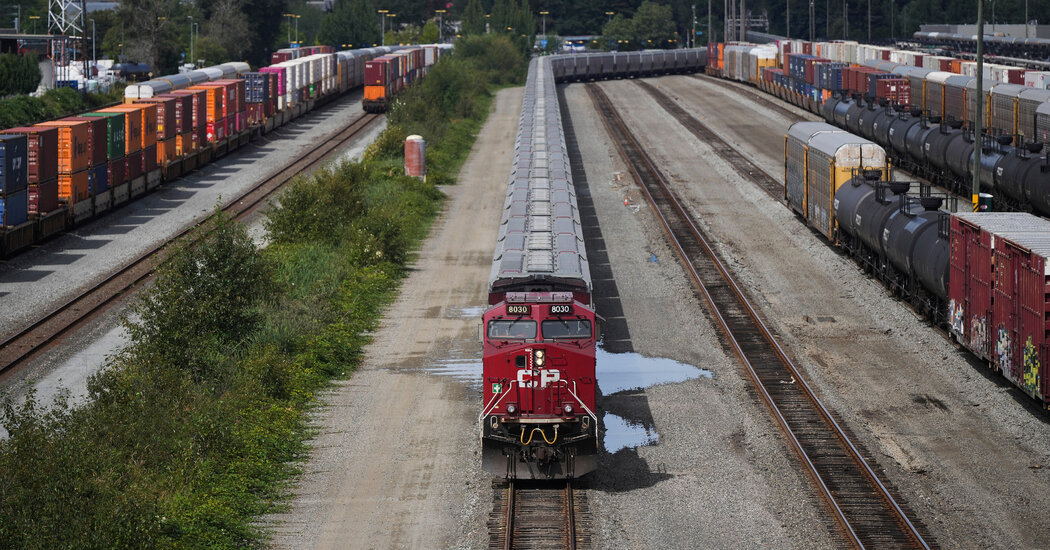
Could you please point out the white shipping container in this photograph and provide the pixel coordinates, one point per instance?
(1037, 79)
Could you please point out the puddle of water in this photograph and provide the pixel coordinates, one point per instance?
(466, 312)
(463, 369)
(630, 371)
(621, 433)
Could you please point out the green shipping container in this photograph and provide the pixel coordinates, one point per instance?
(116, 133)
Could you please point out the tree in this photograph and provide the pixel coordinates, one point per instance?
(229, 27)
(473, 19)
(351, 22)
(619, 34)
(654, 27)
(431, 34)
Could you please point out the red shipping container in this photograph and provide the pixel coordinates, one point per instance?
(1022, 305)
(972, 275)
(183, 104)
(43, 151)
(198, 107)
(134, 166)
(217, 130)
(118, 171)
(149, 159)
(807, 48)
(895, 90)
(43, 197)
(167, 127)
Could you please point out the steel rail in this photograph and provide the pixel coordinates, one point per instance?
(508, 541)
(831, 471)
(570, 515)
(772, 186)
(26, 342)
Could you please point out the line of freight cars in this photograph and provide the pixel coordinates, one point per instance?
(58, 174)
(600, 66)
(984, 276)
(922, 117)
(389, 75)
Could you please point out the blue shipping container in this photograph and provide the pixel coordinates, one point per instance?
(14, 208)
(256, 88)
(98, 178)
(14, 163)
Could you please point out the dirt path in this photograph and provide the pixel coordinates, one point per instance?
(395, 463)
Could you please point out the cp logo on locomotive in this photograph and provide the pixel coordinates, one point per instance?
(528, 379)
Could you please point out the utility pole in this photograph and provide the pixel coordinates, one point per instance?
(190, 17)
(743, 20)
(787, 31)
(869, 21)
(827, 19)
(725, 20)
(692, 39)
(382, 26)
(709, 39)
(811, 20)
(845, 21)
(94, 60)
(979, 118)
(441, 25)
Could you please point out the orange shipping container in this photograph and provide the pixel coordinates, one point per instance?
(132, 126)
(165, 151)
(74, 152)
(216, 94)
(184, 144)
(73, 188)
(146, 113)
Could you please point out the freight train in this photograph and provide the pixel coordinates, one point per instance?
(538, 418)
(916, 108)
(389, 75)
(59, 174)
(982, 276)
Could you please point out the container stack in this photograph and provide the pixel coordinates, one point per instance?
(98, 167)
(74, 160)
(215, 100)
(132, 161)
(115, 163)
(258, 98)
(42, 169)
(14, 180)
(181, 123)
(194, 129)
(167, 128)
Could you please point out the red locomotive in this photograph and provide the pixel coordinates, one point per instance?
(539, 385)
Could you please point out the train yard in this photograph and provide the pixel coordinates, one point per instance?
(831, 414)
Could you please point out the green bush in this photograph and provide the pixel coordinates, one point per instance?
(56, 103)
(18, 74)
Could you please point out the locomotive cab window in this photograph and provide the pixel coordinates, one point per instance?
(567, 328)
(511, 329)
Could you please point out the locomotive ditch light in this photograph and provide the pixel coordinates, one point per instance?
(538, 358)
(512, 408)
(568, 408)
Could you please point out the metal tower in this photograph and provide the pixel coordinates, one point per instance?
(65, 24)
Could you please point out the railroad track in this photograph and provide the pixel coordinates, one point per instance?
(721, 147)
(757, 96)
(537, 515)
(860, 502)
(24, 344)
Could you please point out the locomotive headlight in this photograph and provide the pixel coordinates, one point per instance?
(512, 408)
(568, 408)
(538, 358)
